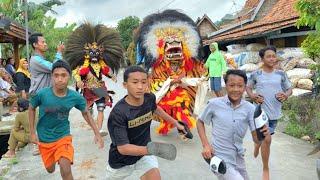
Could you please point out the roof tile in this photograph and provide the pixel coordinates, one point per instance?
(282, 14)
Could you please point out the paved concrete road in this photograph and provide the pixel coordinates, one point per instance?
(288, 157)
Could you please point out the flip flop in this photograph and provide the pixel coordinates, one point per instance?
(6, 114)
(163, 150)
(36, 152)
(217, 165)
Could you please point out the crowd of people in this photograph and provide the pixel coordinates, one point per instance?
(14, 94)
(14, 83)
(43, 90)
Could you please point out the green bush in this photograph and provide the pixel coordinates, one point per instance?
(317, 135)
(303, 116)
(296, 130)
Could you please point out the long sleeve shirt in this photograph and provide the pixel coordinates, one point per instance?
(40, 70)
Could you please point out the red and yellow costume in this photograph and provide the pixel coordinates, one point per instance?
(170, 47)
(94, 52)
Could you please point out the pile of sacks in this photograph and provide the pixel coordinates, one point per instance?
(292, 60)
(299, 74)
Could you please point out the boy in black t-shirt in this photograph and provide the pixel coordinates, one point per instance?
(129, 126)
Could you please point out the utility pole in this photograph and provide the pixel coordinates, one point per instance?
(25, 4)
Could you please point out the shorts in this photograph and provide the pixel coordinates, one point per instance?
(101, 104)
(237, 172)
(145, 164)
(215, 84)
(272, 126)
(52, 152)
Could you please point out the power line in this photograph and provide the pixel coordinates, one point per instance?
(167, 5)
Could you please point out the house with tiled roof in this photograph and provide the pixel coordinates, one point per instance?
(263, 21)
(205, 26)
(14, 33)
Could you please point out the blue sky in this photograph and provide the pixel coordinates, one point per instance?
(110, 12)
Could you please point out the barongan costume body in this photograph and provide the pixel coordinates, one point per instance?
(168, 44)
(94, 52)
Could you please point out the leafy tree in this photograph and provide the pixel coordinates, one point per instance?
(311, 45)
(10, 8)
(131, 54)
(126, 27)
(309, 11)
(52, 34)
(38, 22)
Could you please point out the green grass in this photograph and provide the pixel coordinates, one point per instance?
(4, 171)
(296, 130)
(14, 161)
(302, 116)
(317, 135)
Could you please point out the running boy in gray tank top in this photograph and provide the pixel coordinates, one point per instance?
(272, 88)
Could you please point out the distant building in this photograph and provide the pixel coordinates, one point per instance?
(262, 21)
(205, 26)
(12, 32)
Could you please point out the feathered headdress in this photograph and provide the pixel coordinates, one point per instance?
(155, 30)
(86, 35)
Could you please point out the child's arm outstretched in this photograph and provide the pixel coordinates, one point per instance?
(287, 87)
(160, 112)
(264, 130)
(119, 135)
(207, 150)
(97, 137)
(132, 150)
(282, 96)
(32, 115)
(205, 117)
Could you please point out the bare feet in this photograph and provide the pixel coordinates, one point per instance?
(265, 174)
(9, 154)
(35, 151)
(256, 150)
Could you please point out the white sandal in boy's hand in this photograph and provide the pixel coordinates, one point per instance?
(217, 165)
(163, 150)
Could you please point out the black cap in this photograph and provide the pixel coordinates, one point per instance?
(61, 64)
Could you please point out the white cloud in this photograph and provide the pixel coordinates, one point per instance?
(110, 12)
